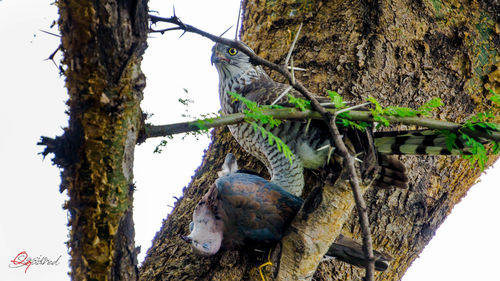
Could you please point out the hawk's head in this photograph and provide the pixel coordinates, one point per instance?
(236, 73)
(229, 60)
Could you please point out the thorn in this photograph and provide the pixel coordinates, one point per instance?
(51, 57)
(292, 46)
(323, 147)
(297, 68)
(237, 23)
(173, 8)
(307, 126)
(356, 157)
(327, 104)
(281, 95)
(225, 31)
(184, 32)
(351, 108)
(293, 73)
(50, 33)
(329, 154)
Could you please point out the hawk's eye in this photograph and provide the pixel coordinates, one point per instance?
(232, 51)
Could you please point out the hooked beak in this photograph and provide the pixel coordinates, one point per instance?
(216, 58)
(187, 239)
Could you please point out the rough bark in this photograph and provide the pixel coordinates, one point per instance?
(402, 53)
(315, 228)
(103, 43)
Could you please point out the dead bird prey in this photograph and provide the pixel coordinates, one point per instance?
(241, 209)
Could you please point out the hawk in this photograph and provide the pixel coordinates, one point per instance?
(310, 143)
(242, 209)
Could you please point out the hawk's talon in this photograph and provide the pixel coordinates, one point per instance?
(265, 264)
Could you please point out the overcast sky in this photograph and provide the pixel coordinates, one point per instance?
(33, 105)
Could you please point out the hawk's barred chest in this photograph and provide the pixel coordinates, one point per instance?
(234, 83)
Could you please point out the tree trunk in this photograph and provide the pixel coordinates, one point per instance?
(403, 53)
(103, 43)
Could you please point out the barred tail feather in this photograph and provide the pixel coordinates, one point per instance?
(424, 142)
(392, 173)
(399, 149)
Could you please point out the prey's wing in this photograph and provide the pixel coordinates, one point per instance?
(255, 208)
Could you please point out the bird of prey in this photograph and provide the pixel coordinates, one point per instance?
(242, 209)
(309, 142)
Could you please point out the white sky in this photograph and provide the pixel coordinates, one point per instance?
(33, 94)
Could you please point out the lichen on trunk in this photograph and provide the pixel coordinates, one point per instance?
(102, 44)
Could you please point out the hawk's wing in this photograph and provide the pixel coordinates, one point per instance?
(265, 91)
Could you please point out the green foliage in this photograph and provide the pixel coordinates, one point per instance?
(495, 98)
(426, 109)
(378, 112)
(478, 151)
(344, 119)
(200, 124)
(479, 121)
(450, 139)
(476, 146)
(299, 103)
(203, 120)
(400, 111)
(186, 102)
(257, 112)
(272, 139)
(496, 148)
(337, 99)
(257, 116)
(163, 143)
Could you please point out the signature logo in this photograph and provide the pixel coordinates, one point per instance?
(22, 259)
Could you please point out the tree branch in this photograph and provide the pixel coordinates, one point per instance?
(295, 114)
